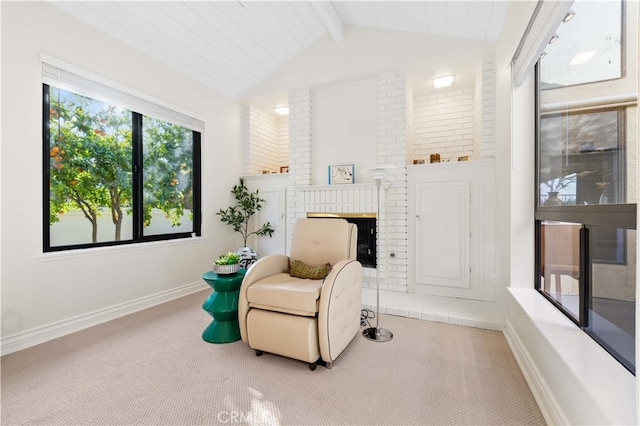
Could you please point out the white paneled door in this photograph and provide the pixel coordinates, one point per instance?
(451, 229)
(442, 233)
(272, 190)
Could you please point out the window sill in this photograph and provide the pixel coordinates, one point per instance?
(100, 251)
(574, 379)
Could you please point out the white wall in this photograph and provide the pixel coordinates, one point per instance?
(44, 294)
(344, 128)
(362, 51)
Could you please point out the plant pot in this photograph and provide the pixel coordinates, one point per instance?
(248, 256)
(226, 269)
(553, 199)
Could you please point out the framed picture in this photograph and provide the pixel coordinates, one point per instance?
(284, 169)
(340, 174)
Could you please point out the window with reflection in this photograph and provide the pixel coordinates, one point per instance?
(560, 264)
(586, 172)
(611, 312)
(582, 158)
(586, 48)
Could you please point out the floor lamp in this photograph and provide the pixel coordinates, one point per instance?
(378, 334)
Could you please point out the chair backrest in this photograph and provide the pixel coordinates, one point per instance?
(318, 241)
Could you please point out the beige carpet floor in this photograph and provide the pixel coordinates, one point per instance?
(153, 368)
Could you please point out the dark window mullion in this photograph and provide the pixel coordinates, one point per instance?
(612, 215)
(46, 172)
(137, 175)
(197, 219)
(584, 282)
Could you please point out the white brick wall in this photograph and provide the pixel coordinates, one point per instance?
(263, 141)
(407, 128)
(357, 198)
(300, 140)
(488, 108)
(300, 136)
(484, 110)
(394, 138)
(283, 140)
(443, 124)
(409, 120)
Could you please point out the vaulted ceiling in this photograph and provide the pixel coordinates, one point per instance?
(231, 46)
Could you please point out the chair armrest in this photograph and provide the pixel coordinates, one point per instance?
(264, 267)
(339, 308)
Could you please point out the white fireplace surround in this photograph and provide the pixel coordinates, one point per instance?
(352, 198)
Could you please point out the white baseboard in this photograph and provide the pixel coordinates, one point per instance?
(26, 339)
(547, 403)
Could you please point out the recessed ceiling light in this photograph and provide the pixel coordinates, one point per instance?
(583, 57)
(281, 109)
(442, 81)
(554, 37)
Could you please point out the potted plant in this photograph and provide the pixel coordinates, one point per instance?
(554, 186)
(247, 204)
(228, 263)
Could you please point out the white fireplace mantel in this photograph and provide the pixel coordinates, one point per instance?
(340, 187)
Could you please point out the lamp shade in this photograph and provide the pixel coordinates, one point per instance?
(379, 171)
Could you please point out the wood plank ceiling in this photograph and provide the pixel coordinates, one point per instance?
(230, 46)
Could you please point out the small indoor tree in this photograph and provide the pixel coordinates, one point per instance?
(247, 204)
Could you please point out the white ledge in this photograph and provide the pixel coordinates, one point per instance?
(573, 378)
(340, 187)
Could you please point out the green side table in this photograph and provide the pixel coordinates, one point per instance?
(222, 305)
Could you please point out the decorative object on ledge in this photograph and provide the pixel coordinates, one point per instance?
(341, 174)
(434, 158)
(284, 169)
(463, 158)
(378, 334)
(418, 161)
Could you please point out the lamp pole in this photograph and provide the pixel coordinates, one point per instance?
(378, 334)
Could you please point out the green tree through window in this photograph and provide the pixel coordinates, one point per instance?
(168, 171)
(90, 163)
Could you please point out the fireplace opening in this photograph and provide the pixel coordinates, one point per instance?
(366, 223)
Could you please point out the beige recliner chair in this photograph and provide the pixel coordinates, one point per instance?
(305, 319)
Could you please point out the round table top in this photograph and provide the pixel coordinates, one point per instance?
(224, 282)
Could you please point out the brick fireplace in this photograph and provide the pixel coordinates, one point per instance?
(349, 201)
(366, 223)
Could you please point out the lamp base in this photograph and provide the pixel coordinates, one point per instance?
(377, 334)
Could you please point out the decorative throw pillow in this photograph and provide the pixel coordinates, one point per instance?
(300, 270)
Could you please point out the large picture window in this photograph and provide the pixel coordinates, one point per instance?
(586, 173)
(113, 175)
